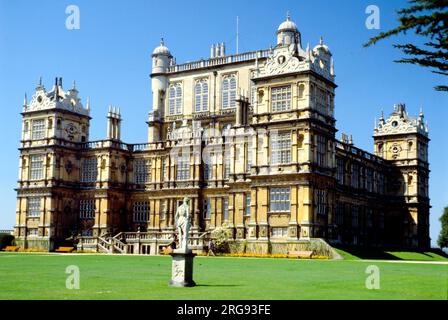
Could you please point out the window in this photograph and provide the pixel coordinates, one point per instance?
(208, 171)
(89, 170)
(228, 91)
(141, 212)
(253, 94)
(142, 171)
(247, 208)
(355, 175)
(175, 98)
(340, 170)
(225, 208)
(281, 148)
(38, 131)
(369, 217)
(381, 220)
(339, 214)
(279, 200)
(381, 181)
(321, 151)
(201, 95)
(163, 209)
(87, 233)
(33, 207)
(32, 232)
(281, 98)
(183, 169)
(369, 179)
(355, 216)
(37, 167)
(249, 155)
(164, 176)
(207, 209)
(87, 209)
(226, 165)
(279, 232)
(321, 201)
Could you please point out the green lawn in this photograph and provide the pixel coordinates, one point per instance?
(42, 276)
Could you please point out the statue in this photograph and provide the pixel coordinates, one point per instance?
(182, 263)
(182, 220)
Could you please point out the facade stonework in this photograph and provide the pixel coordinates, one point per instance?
(249, 138)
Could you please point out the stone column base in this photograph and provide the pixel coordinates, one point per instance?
(182, 269)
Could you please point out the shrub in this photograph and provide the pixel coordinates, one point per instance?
(5, 240)
(220, 237)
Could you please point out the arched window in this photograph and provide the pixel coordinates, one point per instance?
(228, 91)
(201, 95)
(175, 98)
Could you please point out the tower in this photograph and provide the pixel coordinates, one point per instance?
(403, 141)
(54, 124)
(161, 60)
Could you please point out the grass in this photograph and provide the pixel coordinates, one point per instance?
(356, 253)
(42, 276)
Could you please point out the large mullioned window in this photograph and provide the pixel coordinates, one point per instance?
(228, 91)
(89, 169)
(281, 98)
(38, 129)
(37, 167)
(247, 207)
(201, 95)
(226, 208)
(142, 171)
(321, 201)
(207, 208)
(281, 148)
(87, 209)
(33, 205)
(175, 98)
(279, 200)
(321, 151)
(183, 168)
(141, 212)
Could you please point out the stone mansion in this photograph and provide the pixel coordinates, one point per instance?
(250, 138)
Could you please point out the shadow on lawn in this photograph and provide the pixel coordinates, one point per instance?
(367, 253)
(382, 254)
(217, 285)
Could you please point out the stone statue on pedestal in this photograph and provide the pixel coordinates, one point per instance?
(182, 264)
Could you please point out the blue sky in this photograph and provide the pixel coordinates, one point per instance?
(109, 57)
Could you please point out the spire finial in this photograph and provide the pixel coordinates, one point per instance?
(40, 82)
(162, 42)
(74, 85)
(88, 104)
(288, 16)
(321, 40)
(25, 100)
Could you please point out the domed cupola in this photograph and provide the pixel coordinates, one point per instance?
(161, 58)
(321, 48)
(161, 50)
(288, 33)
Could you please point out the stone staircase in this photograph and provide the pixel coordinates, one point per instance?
(150, 242)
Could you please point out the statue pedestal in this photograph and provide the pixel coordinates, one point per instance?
(182, 268)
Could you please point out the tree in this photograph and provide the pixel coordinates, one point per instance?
(443, 237)
(429, 19)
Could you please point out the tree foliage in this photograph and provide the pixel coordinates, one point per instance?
(443, 237)
(429, 19)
